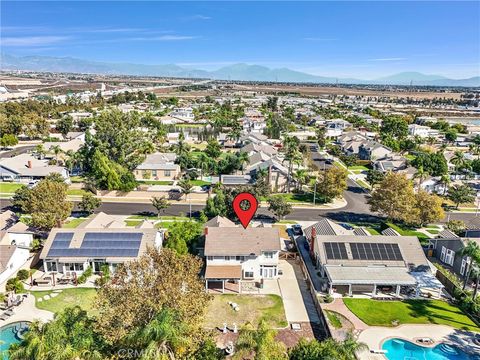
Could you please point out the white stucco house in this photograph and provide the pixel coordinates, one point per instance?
(12, 258)
(234, 255)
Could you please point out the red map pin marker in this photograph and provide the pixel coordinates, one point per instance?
(245, 215)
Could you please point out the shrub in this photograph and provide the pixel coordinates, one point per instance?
(15, 285)
(23, 274)
(82, 279)
(328, 298)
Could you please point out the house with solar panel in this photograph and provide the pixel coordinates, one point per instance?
(372, 265)
(74, 250)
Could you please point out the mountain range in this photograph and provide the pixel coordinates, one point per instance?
(243, 72)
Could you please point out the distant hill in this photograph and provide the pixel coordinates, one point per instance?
(244, 72)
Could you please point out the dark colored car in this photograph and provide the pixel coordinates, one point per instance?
(297, 229)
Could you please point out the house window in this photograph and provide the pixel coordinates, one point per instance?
(51, 266)
(463, 266)
(442, 255)
(227, 258)
(268, 254)
(248, 274)
(449, 256)
(239, 258)
(218, 258)
(210, 258)
(167, 172)
(154, 172)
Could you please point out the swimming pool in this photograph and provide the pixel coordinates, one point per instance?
(11, 334)
(398, 349)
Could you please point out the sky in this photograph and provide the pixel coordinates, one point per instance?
(345, 39)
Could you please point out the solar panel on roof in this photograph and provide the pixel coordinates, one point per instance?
(376, 251)
(335, 250)
(97, 244)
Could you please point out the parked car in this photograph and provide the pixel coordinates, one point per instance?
(297, 229)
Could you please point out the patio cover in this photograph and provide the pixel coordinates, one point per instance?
(369, 275)
(223, 272)
(426, 279)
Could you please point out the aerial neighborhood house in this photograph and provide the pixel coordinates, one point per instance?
(26, 167)
(235, 256)
(390, 163)
(185, 114)
(447, 251)
(97, 243)
(335, 128)
(372, 150)
(15, 243)
(352, 261)
(373, 265)
(422, 131)
(158, 166)
(277, 173)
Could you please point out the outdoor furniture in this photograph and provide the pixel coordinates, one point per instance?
(43, 281)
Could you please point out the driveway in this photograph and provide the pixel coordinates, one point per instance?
(298, 302)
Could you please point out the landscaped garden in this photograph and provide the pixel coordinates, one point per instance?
(252, 308)
(391, 313)
(83, 297)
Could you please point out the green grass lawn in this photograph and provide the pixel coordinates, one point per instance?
(132, 222)
(382, 313)
(333, 318)
(77, 179)
(154, 217)
(9, 188)
(433, 232)
(73, 223)
(362, 184)
(306, 198)
(199, 182)
(373, 231)
(253, 309)
(358, 167)
(409, 232)
(76, 192)
(155, 182)
(84, 297)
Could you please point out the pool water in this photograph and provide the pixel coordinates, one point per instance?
(10, 334)
(398, 349)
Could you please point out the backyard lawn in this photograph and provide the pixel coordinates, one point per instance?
(383, 313)
(76, 192)
(253, 309)
(9, 188)
(83, 297)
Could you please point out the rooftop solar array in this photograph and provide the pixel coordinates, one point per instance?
(97, 245)
(335, 250)
(376, 251)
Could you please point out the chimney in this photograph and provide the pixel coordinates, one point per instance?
(29, 164)
(205, 232)
(312, 242)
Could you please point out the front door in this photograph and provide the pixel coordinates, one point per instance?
(97, 265)
(269, 272)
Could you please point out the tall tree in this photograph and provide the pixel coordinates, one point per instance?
(428, 208)
(394, 197)
(186, 187)
(48, 205)
(332, 183)
(461, 194)
(163, 279)
(472, 252)
(159, 203)
(279, 206)
(89, 203)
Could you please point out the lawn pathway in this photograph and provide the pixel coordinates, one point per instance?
(338, 306)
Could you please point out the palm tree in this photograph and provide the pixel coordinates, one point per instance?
(445, 181)
(260, 342)
(186, 187)
(458, 160)
(163, 335)
(475, 150)
(350, 347)
(421, 175)
(203, 162)
(40, 151)
(470, 250)
(243, 159)
(57, 150)
(302, 177)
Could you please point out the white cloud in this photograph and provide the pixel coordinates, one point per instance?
(32, 40)
(197, 17)
(389, 59)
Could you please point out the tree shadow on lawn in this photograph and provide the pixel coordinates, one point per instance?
(426, 308)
